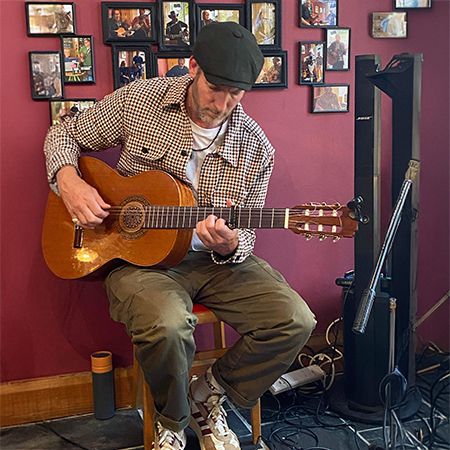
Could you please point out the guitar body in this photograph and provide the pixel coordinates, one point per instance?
(117, 239)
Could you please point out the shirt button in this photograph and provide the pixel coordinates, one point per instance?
(145, 150)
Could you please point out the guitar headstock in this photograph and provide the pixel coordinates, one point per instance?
(323, 220)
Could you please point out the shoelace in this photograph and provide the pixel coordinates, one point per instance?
(167, 437)
(217, 413)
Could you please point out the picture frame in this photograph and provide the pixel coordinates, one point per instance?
(46, 75)
(78, 59)
(318, 13)
(129, 22)
(311, 62)
(274, 73)
(177, 25)
(131, 63)
(412, 4)
(263, 19)
(64, 107)
(170, 65)
(218, 12)
(50, 19)
(338, 49)
(389, 25)
(330, 98)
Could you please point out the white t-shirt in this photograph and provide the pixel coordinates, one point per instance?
(202, 137)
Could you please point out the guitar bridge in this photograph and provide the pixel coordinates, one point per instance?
(77, 236)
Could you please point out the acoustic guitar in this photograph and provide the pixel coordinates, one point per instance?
(151, 222)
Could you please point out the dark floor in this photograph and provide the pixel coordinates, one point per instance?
(293, 420)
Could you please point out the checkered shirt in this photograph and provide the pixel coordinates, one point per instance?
(148, 119)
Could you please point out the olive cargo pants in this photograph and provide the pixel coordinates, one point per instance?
(156, 306)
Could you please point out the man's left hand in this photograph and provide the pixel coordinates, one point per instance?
(216, 235)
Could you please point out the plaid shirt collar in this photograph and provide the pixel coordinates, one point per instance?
(230, 149)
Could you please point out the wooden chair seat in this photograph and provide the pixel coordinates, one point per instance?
(202, 360)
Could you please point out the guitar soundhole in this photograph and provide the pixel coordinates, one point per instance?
(131, 219)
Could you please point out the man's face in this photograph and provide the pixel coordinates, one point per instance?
(206, 15)
(181, 62)
(116, 15)
(208, 104)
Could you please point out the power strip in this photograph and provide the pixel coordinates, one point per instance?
(298, 377)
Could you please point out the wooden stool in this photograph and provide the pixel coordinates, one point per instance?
(202, 361)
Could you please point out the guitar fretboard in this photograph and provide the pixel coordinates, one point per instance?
(188, 217)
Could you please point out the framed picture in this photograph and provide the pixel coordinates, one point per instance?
(311, 62)
(274, 71)
(338, 49)
(330, 98)
(131, 63)
(171, 64)
(78, 54)
(264, 21)
(389, 25)
(412, 4)
(67, 107)
(48, 19)
(207, 13)
(129, 22)
(46, 75)
(318, 13)
(177, 23)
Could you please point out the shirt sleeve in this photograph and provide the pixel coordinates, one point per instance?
(98, 128)
(247, 237)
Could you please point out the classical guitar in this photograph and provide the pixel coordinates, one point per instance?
(152, 220)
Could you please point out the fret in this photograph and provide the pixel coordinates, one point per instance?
(271, 223)
(260, 217)
(178, 217)
(239, 218)
(184, 216)
(249, 216)
(171, 222)
(190, 218)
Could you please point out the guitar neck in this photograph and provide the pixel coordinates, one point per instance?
(236, 217)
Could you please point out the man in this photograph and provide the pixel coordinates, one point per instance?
(206, 17)
(176, 31)
(86, 54)
(308, 18)
(195, 128)
(336, 52)
(141, 25)
(327, 100)
(178, 70)
(117, 27)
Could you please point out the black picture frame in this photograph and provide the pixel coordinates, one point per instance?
(78, 64)
(338, 102)
(125, 53)
(271, 77)
(389, 25)
(412, 4)
(64, 107)
(44, 19)
(313, 13)
(46, 79)
(338, 57)
(263, 19)
(164, 64)
(311, 62)
(136, 22)
(177, 25)
(217, 9)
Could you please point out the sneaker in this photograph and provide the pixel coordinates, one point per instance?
(210, 424)
(166, 439)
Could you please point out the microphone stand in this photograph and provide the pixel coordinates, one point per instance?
(368, 296)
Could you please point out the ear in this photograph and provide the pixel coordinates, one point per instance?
(194, 68)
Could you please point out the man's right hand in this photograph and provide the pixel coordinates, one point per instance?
(82, 200)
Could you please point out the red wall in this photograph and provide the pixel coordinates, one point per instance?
(49, 326)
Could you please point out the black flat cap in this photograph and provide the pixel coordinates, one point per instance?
(228, 54)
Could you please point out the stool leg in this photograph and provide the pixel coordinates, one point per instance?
(256, 422)
(149, 412)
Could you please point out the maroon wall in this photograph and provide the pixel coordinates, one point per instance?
(49, 326)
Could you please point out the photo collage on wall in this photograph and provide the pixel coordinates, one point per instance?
(317, 58)
(146, 40)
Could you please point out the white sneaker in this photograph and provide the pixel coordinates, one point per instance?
(210, 424)
(166, 439)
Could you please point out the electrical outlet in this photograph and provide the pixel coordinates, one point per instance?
(298, 377)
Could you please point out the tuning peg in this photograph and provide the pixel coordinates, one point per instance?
(308, 236)
(336, 238)
(322, 237)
